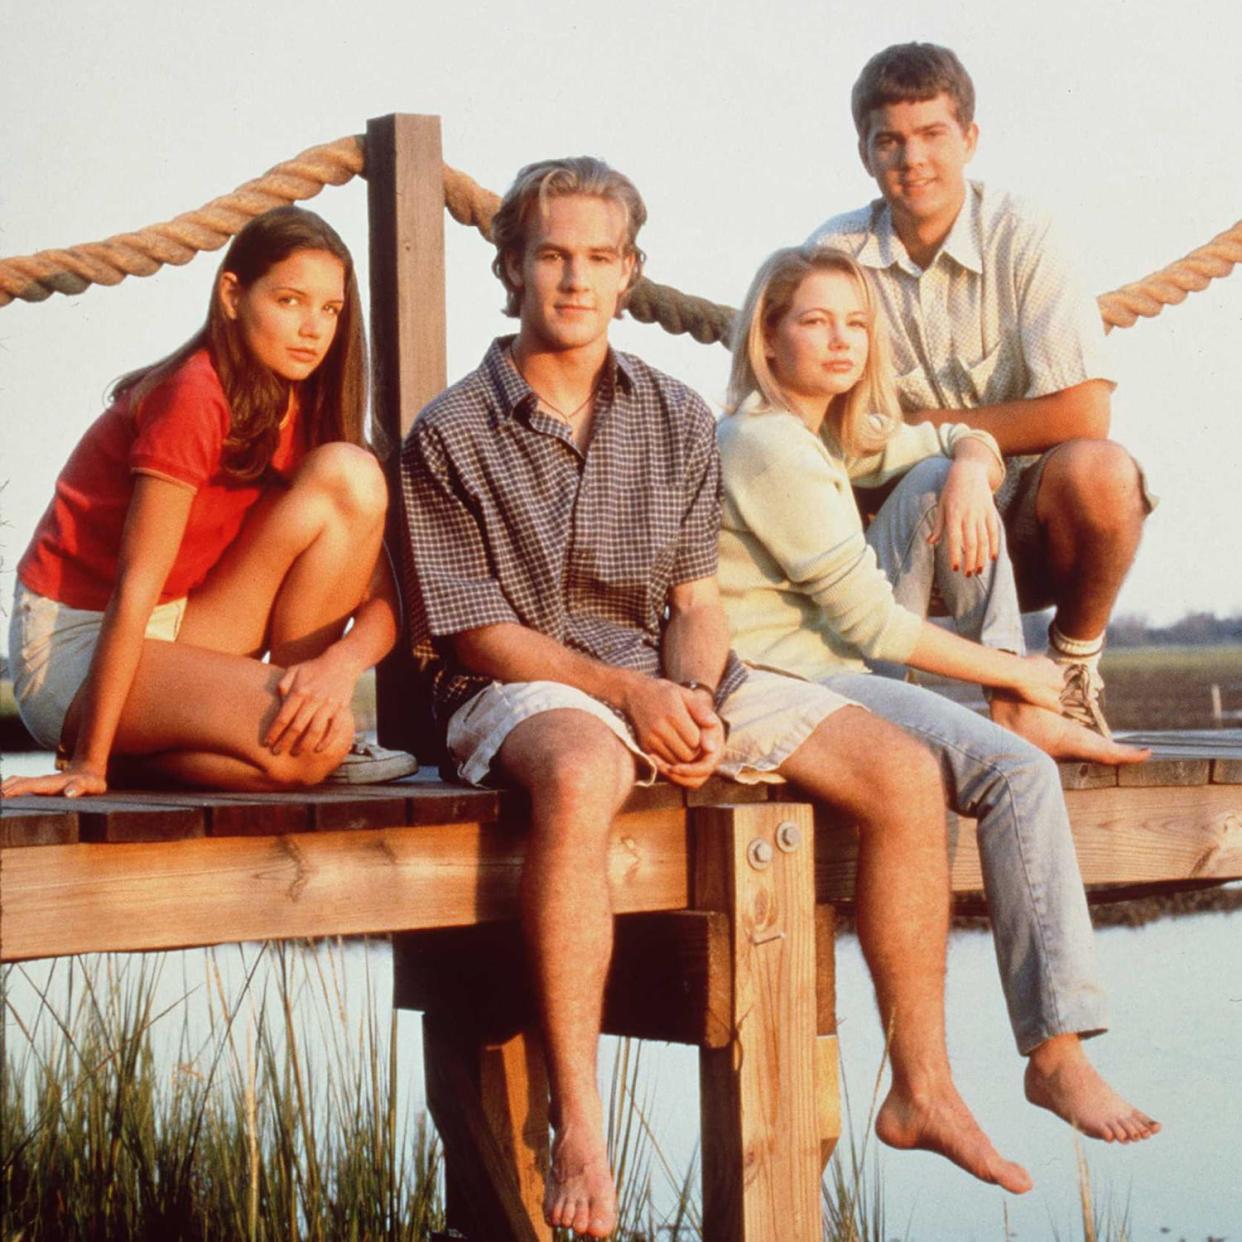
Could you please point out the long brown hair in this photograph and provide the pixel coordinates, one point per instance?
(332, 398)
(864, 418)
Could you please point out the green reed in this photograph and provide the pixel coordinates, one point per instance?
(279, 1117)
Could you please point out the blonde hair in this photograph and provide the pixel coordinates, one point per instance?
(862, 419)
(531, 191)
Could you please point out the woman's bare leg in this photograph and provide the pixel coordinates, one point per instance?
(299, 566)
(200, 717)
(199, 708)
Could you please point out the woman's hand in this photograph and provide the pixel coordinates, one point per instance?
(967, 517)
(77, 780)
(1037, 680)
(314, 713)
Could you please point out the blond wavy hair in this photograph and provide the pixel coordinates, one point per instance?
(863, 419)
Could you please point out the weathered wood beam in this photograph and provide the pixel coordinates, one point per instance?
(405, 203)
(62, 899)
(1124, 834)
(489, 1102)
(761, 1123)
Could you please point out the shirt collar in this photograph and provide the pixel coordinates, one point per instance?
(883, 248)
(514, 393)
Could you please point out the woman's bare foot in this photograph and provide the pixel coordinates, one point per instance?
(580, 1194)
(1059, 737)
(1061, 1079)
(944, 1125)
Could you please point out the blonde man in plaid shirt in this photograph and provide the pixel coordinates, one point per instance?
(990, 326)
(563, 511)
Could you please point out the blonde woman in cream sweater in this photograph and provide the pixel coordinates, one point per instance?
(811, 412)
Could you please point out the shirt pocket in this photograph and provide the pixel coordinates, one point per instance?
(996, 377)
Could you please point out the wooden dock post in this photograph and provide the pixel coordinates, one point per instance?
(488, 1097)
(761, 1121)
(405, 203)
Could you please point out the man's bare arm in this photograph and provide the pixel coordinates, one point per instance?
(1036, 424)
(695, 648)
(696, 639)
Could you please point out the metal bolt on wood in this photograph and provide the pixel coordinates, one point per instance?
(788, 837)
(760, 853)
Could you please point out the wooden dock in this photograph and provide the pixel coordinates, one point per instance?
(725, 937)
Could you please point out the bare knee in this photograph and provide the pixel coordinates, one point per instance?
(289, 771)
(350, 477)
(871, 770)
(903, 781)
(575, 769)
(1092, 484)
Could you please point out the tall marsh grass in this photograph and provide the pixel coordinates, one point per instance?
(258, 1102)
(245, 1138)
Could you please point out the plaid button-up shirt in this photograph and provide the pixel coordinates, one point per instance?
(510, 522)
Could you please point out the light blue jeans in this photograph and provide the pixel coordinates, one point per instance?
(1041, 928)
(984, 607)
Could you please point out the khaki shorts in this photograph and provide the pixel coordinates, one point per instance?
(768, 717)
(50, 650)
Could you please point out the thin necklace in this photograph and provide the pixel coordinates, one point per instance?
(569, 418)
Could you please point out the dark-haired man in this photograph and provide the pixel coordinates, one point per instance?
(990, 326)
(563, 512)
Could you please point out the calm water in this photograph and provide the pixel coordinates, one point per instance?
(1175, 1049)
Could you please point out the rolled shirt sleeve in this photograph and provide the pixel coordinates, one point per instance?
(452, 587)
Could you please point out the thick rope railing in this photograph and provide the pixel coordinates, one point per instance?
(35, 277)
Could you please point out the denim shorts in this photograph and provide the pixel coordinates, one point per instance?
(767, 717)
(50, 650)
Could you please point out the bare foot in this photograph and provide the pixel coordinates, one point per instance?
(1061, 1079)
(945, 1126)
(580, 1194)
(1059, 737)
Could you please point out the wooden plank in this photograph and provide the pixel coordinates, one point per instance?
(1227, 771)
(1123, 835)
(1087, 775)
(669, 979)
(1138, 835)
(1164, 772)
(489, 1103)
(827, 1096)
(761, 1121)
(825, 970)
(1188, 743)
(351, 813)
(35, 825)
(405, 207)
(83, 898)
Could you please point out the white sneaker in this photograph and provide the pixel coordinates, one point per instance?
(369, 764)
(1080, 696)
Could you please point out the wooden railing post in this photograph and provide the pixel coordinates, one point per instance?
(405, 199)
(761, 1120)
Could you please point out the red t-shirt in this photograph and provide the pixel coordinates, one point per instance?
(179, 434)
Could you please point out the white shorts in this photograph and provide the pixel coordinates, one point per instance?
(50, 650)
(768, 717)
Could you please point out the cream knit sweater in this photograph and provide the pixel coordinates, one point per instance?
(802, 589)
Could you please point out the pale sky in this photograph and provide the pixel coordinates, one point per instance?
(733, 121)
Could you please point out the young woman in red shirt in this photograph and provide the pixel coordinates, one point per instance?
(224, 508)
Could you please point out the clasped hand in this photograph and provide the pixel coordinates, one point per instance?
(678, 728)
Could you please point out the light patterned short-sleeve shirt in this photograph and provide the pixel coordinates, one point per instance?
(998, 315)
